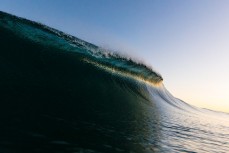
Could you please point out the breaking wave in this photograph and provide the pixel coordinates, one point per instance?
(62, 94)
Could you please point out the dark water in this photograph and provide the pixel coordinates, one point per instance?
(59, 94)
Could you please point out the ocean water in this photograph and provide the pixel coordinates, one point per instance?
(60, 94)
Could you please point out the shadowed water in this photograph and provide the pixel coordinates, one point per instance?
(59, 94)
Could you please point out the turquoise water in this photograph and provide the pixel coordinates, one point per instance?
(62, 94)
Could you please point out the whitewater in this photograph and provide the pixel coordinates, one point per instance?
(60, 94)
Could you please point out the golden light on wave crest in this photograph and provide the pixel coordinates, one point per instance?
(120, 72)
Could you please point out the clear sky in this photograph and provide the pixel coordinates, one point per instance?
(187, 41)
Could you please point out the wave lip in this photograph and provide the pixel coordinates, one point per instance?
(90, 53)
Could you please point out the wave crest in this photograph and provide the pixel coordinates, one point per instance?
(89, 53)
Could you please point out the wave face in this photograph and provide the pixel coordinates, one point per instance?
(61, 94)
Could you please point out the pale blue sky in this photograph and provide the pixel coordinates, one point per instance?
(187, 41)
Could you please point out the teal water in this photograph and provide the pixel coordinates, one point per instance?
(60, 94)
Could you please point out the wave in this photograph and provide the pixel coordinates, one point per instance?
(62, 94)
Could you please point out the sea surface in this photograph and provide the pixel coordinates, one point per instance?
(60, 94)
